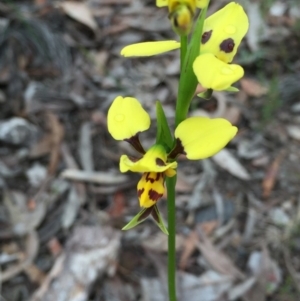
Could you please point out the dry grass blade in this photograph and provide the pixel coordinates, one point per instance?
(217, 259)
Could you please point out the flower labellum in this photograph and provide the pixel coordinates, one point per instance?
(150, 189)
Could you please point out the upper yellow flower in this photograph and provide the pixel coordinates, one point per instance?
(172, 3)
(222, 35)
(223, 32)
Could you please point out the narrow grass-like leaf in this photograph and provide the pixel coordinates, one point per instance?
(188, 81)
(163, 135)
(159, 220)
(140, 217)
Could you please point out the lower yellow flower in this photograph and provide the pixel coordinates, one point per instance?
(155, 160)
(150, 188)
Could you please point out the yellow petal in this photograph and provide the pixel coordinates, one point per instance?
(174, 4)
(161, 3)
(149, 48)
(214, 74)
(201, 3)
(150, 189)
(223, 32)
(202, 137)
(155, 160)
(126, 117)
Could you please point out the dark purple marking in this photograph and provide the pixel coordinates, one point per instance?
(227, 45)
(159, 162)
(154, 195)
(206, 36)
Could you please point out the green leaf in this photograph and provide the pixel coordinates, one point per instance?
(140, 217)
(159, 220)
(163, 135)
(188, 81)
(232, 89)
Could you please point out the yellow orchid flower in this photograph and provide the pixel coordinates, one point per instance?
(228, 23)
(222, 34)
(196, 137)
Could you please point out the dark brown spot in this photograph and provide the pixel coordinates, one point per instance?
(178, 149)
(227, 45)
(145, 214)
(135, 142)
(133, 159)
(159, 162)
(206, 36)
(148, 178)
(154, 195)
(140, 192)
(155, 215)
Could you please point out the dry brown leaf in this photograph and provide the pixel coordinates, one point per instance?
(118, 205)
(90, 252)
(57, 133)
(227, 161)
(271, 176)
(253, 87)
(80, 12)
(209, 227)
(54, 246)
(188, 249)
(42, 147)
(216, 258)
(182, 185)
(159, 242)
(32, 247)
(294, 131)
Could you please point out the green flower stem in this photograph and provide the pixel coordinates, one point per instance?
(171, 238)
(188, 81)
(186, 90)
(183, 49)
